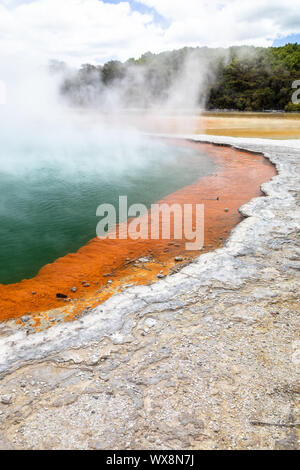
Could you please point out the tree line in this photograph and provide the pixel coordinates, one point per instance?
(242, 78)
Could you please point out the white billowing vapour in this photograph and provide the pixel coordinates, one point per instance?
(170, 85)
(38, 129)
(188, 92)
(97, 119)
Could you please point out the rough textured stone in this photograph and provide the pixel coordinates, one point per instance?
(204, 359)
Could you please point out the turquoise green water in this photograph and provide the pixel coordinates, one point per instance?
(49, 192)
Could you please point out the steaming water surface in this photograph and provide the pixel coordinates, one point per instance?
(50, 188)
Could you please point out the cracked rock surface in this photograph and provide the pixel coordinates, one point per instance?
(204, 359)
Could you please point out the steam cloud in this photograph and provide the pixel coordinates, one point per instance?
(154, 86)
(69, 113)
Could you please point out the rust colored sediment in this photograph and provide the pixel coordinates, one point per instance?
(236, 181)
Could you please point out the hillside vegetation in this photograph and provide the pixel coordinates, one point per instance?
(238, 78)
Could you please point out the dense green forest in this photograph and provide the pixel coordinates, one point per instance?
(239, 78)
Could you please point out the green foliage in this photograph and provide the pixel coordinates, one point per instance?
(292, 108)
(113, 70)
(257, 79)
(239, 78)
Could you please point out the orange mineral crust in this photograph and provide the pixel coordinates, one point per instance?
(104, 266)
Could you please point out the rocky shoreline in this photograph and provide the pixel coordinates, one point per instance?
(206, 358)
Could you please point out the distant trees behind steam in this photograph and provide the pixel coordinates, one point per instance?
(239, 78)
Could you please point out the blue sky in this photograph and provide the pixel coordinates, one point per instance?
(291, 38)
(137, 6)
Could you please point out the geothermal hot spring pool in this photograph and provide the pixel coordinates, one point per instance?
(51, 185)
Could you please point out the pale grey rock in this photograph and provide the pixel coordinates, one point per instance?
(25, 318)
(220, 352)
(64, 400)
(6, 399)
(5, 444)
(150, 322)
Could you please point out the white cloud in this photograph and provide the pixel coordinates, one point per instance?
(80, 31)
(75, 30)
(228, 22)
